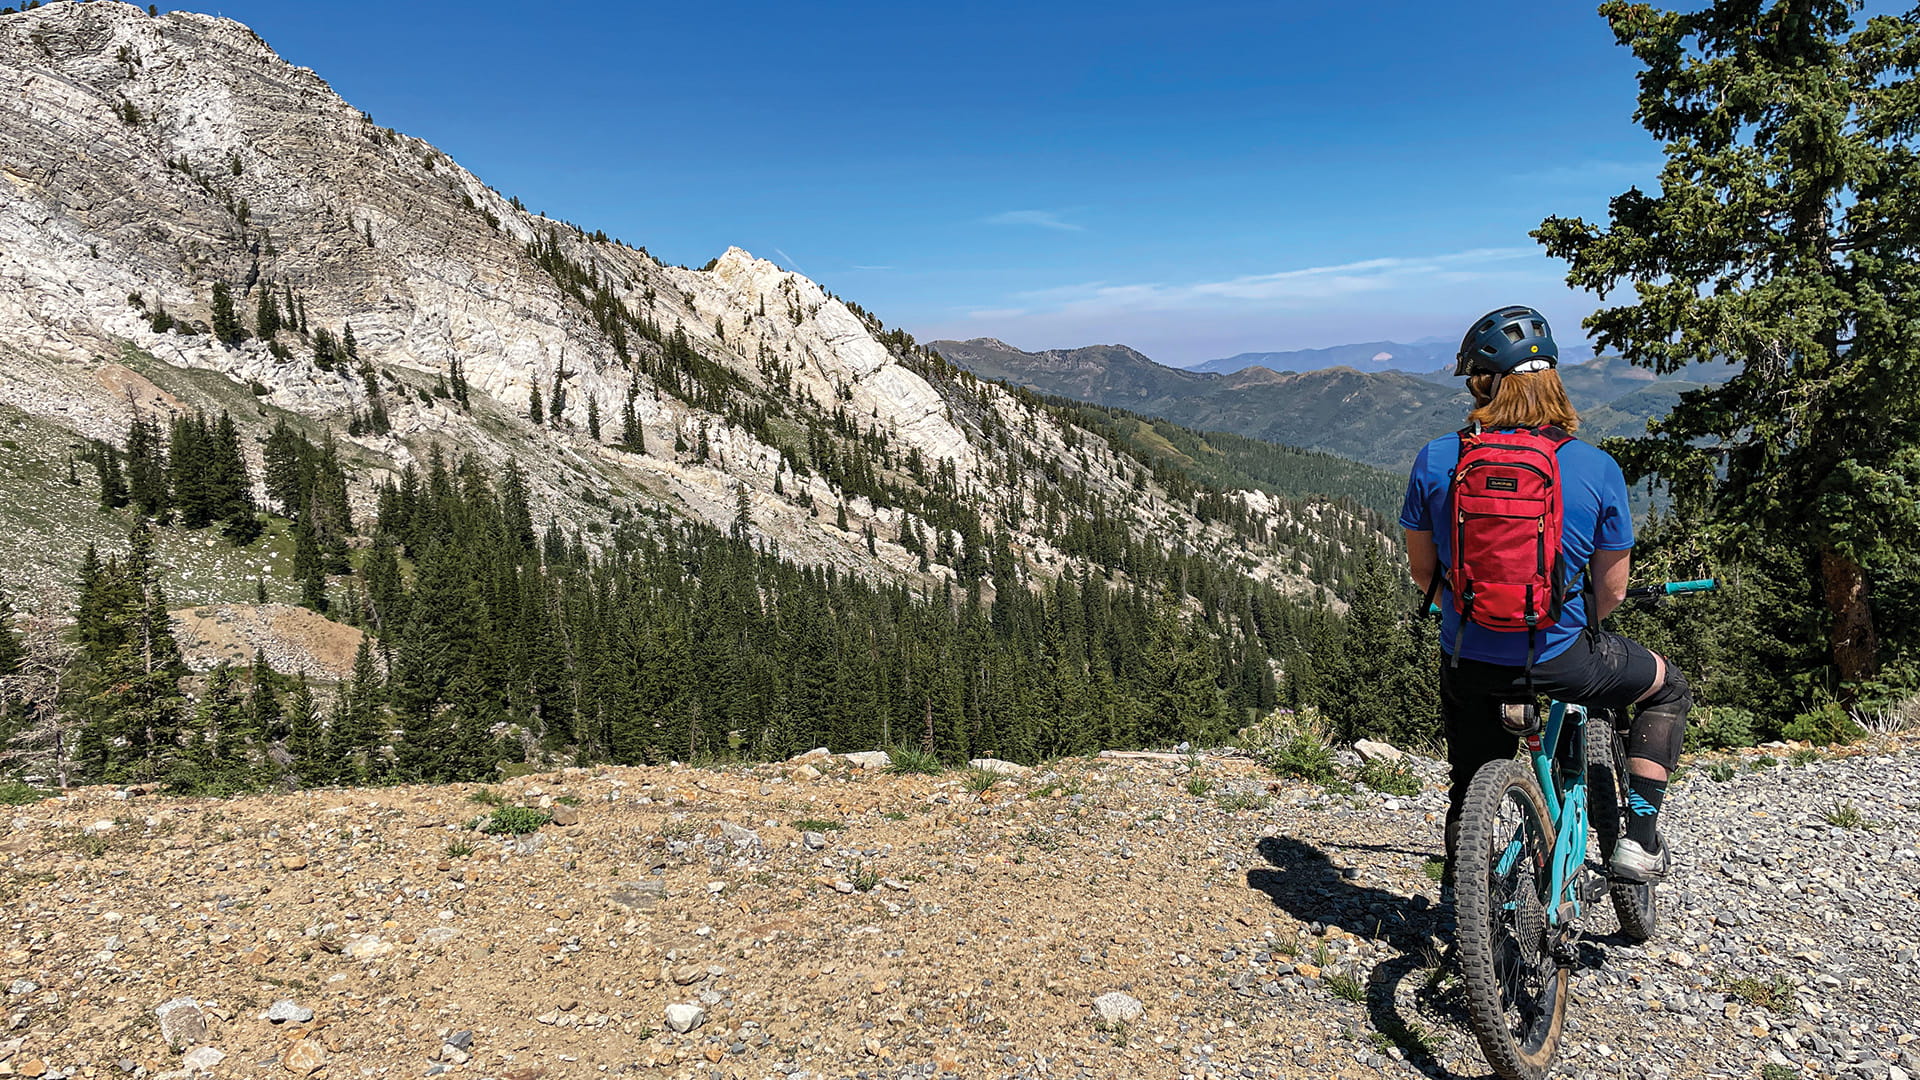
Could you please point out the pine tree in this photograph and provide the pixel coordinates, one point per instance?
(377, 421)
(306, 738)
(1779, 240)
(536, 412)
(13, 654)
(326, 349)
(633, 438)
(231, 487)
(263, 700)
(593, 417)
(557, 402)
(267, 317)
(282, 462)
(308, 566)
(226, 324)
(127, 684)
(457, 380)
(146, 468)
(113, 483)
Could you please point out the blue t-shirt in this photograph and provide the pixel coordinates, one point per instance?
(1594, 503)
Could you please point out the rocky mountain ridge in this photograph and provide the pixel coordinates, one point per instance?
(1377, 416)
(149, 158)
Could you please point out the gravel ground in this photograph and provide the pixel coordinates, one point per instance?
(1099, 918)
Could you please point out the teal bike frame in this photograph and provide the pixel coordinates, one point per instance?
(1563, 780)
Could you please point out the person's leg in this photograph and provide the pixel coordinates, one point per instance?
(1605, 670)
(1474, 735)
(1653, 749)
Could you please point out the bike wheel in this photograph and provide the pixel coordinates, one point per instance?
(1516, 989)
(1607, 807)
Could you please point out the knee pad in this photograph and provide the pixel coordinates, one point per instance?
(1672, 690)
(1660, 724)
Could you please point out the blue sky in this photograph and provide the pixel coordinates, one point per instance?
(1194, 180)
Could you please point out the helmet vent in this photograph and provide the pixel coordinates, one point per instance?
(1513, 332)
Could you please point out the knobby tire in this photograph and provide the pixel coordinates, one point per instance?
(1606, 808)
(1516, 991)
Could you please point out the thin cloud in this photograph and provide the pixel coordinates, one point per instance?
(1044, 219)
(791, 261)
(857, 266)
(1312, 283)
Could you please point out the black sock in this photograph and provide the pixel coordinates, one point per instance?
(1644, 797)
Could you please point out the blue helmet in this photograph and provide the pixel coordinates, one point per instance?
(1507, 340)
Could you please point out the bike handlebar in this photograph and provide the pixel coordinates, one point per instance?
(1672, 588)
(1648, 592)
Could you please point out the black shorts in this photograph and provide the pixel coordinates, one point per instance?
(1600, 669)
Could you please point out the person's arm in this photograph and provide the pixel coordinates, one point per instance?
(1423, 558)
(1609, 570)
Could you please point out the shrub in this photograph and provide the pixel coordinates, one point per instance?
(1389, 777)
(17, 793)
(1720, 727)
(818, 825)
(515, 820)
(1827, 724)
(1775, 995)
(1291, 744)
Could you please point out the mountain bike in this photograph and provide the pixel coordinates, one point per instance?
(1523, 879)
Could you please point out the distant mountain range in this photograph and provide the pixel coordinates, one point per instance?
(1422, 357)
(1379, 417)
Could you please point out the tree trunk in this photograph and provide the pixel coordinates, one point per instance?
(1855, 646)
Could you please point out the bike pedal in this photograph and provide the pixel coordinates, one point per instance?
(1593, 886)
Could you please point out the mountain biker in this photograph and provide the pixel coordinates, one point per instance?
(1509, 359)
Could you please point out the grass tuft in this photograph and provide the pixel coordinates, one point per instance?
(1845, 815)
(979, 781)
(515, 820)
(1345, 987)
(818, 825)
(907, 758)
(486, 797)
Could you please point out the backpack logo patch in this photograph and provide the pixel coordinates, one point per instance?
(1502, 483)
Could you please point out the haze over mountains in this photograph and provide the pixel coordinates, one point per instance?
(1423, 357)
(1380, 417)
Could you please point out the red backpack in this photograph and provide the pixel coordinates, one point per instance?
(1504, 513)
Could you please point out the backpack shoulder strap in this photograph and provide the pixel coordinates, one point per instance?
(1557, 434)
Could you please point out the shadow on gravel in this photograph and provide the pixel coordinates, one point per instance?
(1301, 880)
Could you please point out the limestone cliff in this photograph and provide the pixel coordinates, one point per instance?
(143, 159)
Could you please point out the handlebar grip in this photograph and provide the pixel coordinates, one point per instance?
(1671, 588)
